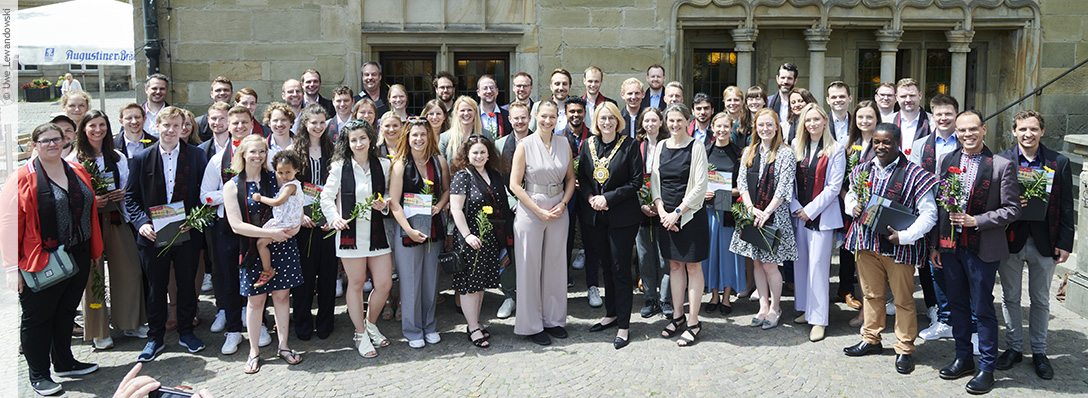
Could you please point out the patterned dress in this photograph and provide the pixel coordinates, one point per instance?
(285, 260)
(482, 265)
(785, 164)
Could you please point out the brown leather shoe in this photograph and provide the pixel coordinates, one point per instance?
(851, 301)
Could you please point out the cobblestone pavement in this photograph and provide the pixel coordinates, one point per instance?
(730, 358)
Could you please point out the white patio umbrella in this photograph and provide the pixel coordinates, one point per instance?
(87, 32)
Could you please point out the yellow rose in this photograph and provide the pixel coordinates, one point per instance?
(390, 156)
(145, 141)
(380, 196)
(488, 210)
(857, 147)
(428, 182)
(1048, 170)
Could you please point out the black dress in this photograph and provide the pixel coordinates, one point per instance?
(692, 243)
(482, 265)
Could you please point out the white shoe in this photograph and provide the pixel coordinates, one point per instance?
(754, 296)
(244, 323)
(579, 260)
(595, 297)
(207, 285)
(104, 343)
(220, 322)
(363, 345)
(432, 338)
(931, 312)
(376, 336)
(416, 343)
(936, 331)
(265, 339)
(140, 332)
(340, 288)
(230, 346)
(506, 309)
(889, 308)
(974, 343)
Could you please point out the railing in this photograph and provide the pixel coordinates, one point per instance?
(1036, 91)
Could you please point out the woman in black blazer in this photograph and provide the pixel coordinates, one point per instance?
(610, 174)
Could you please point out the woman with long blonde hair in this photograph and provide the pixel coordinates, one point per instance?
(465, 122)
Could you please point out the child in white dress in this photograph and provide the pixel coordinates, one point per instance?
(286, 207)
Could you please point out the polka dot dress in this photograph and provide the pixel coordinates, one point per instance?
(285, 260)
(482, 266)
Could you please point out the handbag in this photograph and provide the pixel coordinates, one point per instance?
(450, 262)
(61, 266)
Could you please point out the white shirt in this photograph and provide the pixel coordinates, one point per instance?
(149, 120)
(211, 185)
(909, 129)
(889, 118)
(783, 108)
(170, 169)
(927, 206)
(842, 128)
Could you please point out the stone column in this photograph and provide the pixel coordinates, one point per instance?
(959, 45)
(1076, 296)
(817, 39)
(744, 40)
(889, 46)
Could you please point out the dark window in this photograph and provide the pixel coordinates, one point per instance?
(470, 66)
(938, 73)
(712, 72)
(28, 67)
(869, 71)
(82, 68)
(413, 70)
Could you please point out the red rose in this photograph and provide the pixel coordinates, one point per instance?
(209, 200)
(907, 152)
(955, 170)
(236, 142)
(869, 184)
(740, 199)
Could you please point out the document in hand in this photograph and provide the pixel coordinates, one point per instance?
(882, 213)
(167, 221)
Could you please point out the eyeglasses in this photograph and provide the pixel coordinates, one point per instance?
(51, 141)
(416, 120)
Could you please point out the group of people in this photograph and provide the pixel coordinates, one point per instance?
(718, 202)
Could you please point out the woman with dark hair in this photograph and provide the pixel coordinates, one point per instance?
(765, 179)
(754, 100)
(478, 192)
(418, 169)
(318, 253)
(798, 97)
(678, 187)
(610, 175)
(435, 112)
(364, 109)
(278, 117)
(358, 175)
(50, 211)
(246, 216)
(653, 269)
(94, 144)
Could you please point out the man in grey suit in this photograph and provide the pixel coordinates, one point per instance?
(969, 246)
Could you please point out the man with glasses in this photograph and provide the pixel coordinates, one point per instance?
(495, 120)
(885, 102)
(445, 86)
(523, 87)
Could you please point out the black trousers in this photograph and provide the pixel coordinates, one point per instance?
(613, 247)
(230, 300)
(46, 324)
(925, 277)
(211, 263)
(318, 258)
(847, 270)
(157, 271)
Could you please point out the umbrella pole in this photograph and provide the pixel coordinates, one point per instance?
(101, 88)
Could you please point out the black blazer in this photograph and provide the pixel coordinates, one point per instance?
(630, 127)
(620, 190)
(202, 129)
(380, 103)
(1039, 231)
(646, 100)
(209, 149)
(138, 183)
(774, 101)
(326, 103)
(502, 122)
(119, 142)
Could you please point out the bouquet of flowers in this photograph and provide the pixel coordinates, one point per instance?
(644, 196)
(1035, 185)
(852, 161)
(862, 187)
(101, 187)
(360, 209)
(316, 216)
(98, 289)
(198, 219)
(953, 199)
(740, 214)
(483, 225)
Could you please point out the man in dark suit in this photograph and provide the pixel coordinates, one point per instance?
(373, 89)
(522, 88)
(702, 111)
(655, 94)
(839, 99)
(495, 120)
(911, 118)
(631, 92)
(970, 244)
(445, 86)
(311, 88)
(592, 78)
(222, 91)
(166, 173)
(217, 124)
(132, 137)
(786, 78)
(1038, 244)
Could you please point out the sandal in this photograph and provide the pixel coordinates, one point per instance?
(266, 276)
(480, 342)
(387, 311)
(364, 346)
(292, 357)
(376, 337)
(675, 323)
(253, 365)
(694, 331)
(487, 335)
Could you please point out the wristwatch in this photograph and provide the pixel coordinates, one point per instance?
(677, 211)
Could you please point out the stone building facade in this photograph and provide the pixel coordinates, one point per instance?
(987, 53)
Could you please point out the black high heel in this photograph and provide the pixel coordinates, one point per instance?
(676, 323)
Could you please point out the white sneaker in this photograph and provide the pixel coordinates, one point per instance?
(265, 339)
(230, 346)
(207, 285)
(595, 297)
(140, 332)
(974, 343)
(889, 308)
(220, 322)
(340, 287)
(416, 343)
(506, 309)
(244, 323)
(579, 260)
(931, 312)
(936, 331)
(432, 338)
(104, 343)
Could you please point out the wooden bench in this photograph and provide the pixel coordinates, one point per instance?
(24, 147)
